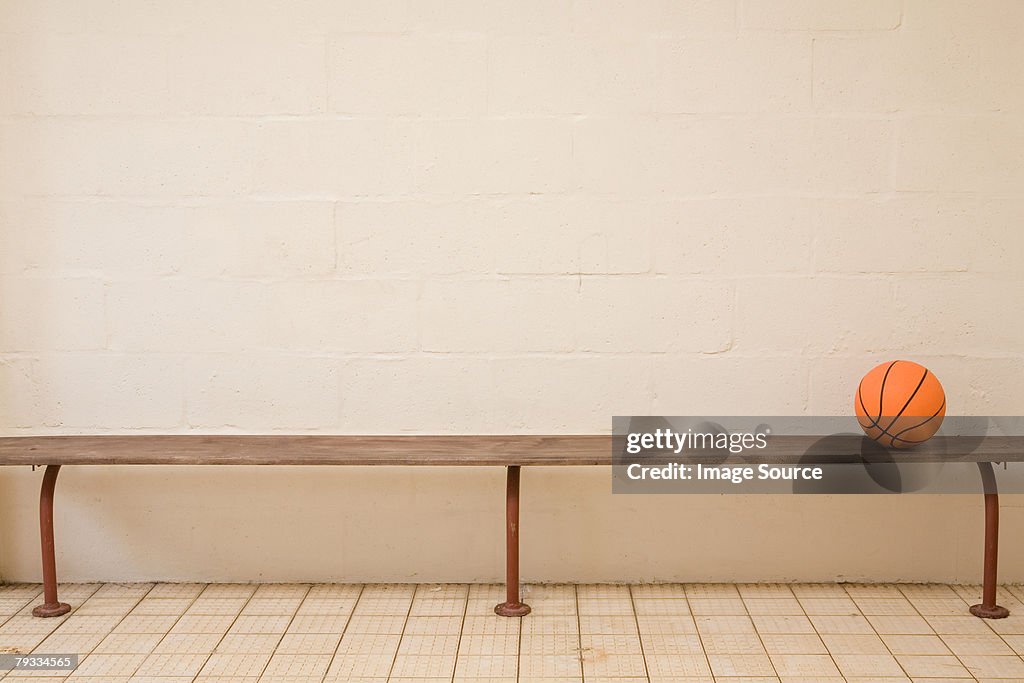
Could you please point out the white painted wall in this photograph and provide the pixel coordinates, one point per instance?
(412, 216)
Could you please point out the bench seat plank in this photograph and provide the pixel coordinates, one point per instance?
(491, 450)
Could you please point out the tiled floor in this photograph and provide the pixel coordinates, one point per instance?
(326, 633)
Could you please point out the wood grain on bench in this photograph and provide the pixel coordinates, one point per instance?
(490, 450)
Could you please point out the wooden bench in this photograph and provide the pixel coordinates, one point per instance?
(510, 452)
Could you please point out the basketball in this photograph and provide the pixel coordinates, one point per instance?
(900, 404)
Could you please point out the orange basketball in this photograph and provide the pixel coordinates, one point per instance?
(900, 404)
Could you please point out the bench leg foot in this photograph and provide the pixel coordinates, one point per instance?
(513, 606)
(988, 609)
(51, 607)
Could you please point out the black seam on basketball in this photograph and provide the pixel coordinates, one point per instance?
(881, 393)
(912, 395)
(921, 424)
(860, 397)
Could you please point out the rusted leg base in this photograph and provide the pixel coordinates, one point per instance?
(512, 609)
(51, 610)
(990, 611)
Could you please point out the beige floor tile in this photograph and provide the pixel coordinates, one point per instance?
(833, 605)
(439, 607)
(473, 645)
(1016, 642)
(740, 665)
(791, 624)
(80, 643)
(873, 590)
(793, 644)
(334, 591)
(129, 643)
(426, 666)
(867, 665)
(915, 645)
(489, 625)
(938, 606)
(162, 606)
(540, 605)
(229, 590)
(609, 623)
(281, 590)
(376, 625)
(804, 666)
(774, 606)
(665, 624)
(146, 624)
(312, 623)
(603, 643)
(938, 666)
(732, 643)
(549, 644)
(327, 606)
(245, 643)
(486, 666)
(369, 643)
(262, 624)
(549, 666)
(201, 623)
(724, 624)
(304, 665)
(819, 590)
(222, 664)
(176, 590)
(23, 625)
(990, 644)
(662, 606)
(967, 625)
(890, 606)
(76, 624)
(764, 590)
(110, 665)
(426, 626)
(172, 665)
(926, 590)
(605, 606)
(841, 624)
(711, 590)
(659, 591)
(442, 591)
(900, 624)
(604, 665)
(107, 606)
(987, 666)
(308, 643)
(216, 606)
(854, 643)
(1014, 625)
(350, 667)
(717, 606)
(443, 644)
(672, 644)
(260, 606)
(602, 591)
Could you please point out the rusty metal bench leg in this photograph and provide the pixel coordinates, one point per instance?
(51, 607)
(988, 609)
(512, 607)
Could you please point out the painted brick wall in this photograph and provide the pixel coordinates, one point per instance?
(464, 216)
